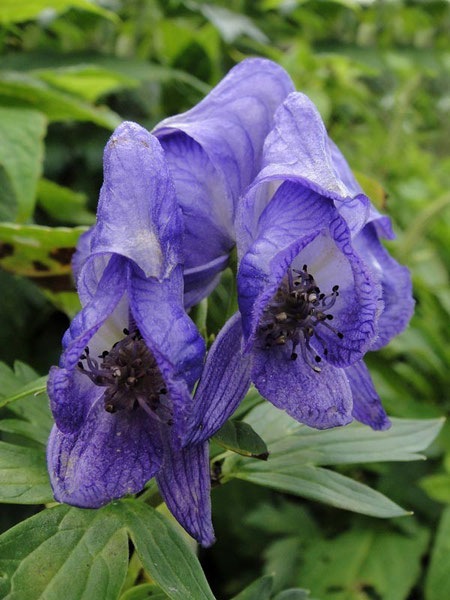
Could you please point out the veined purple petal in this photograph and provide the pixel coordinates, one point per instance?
(184, 483)
(69, 394)
(298, 149)
(200, 281)
(157, 307)
(225, 381)
(138, 216)
(396, 286)
(110, 456)
(231, 123)
(320, 400)
(367, 407)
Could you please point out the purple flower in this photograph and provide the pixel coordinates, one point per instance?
(121, 396)
(316, 288)
(214, 152)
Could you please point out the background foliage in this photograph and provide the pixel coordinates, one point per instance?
(70, 71)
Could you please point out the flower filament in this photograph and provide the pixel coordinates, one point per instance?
(131, 376)
(294, 313)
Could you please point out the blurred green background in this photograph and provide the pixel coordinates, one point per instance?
(72, 70)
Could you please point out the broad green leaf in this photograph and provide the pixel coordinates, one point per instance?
(242, 439)
(291, 443)
(437, 585)
(144, 591)
(23, 475)
(19, 89)
(87, 81)
(15, 12)
(281, 559)
(258, 590)
(380, 561)
(64, 552)
(322, 485)
(21, 155)
(163, 552)
(63, 204)
(437, 486)
(36, 250)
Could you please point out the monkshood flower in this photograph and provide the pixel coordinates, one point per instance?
(214, 152)
(316, 288)
(121, 395)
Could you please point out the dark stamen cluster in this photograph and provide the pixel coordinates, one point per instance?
(294, 313)
(131, 376)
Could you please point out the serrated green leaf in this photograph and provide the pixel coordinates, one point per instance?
(163, 552)
(36, 250)
(13, 12)
(363, 559)
(21, 154)
(20, 89)
(144, 591)
(63, 204)
(242, 439)
(64, 552)
(437, 585)
(322, 485)
(23, 475)
(258, 590)
(33, 388)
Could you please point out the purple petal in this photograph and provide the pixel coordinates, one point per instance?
(367, 407)
(298, 149)
(110, 456)
(184, 483)
(138, 216)
(69, 391)
(320, 400)
(225, 381)
(291, 220)
(157, 307)
(231, 123)
(396, 286)
(200, 281)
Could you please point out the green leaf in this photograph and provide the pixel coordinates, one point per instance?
(437, 486)
(231, 25)
(322, 485)
(242, 439)
(14, 12)
(145, 591)
(293, 594)
(19, 89)
(372, 189)
(21, 154)
(23, 475)
(36, 250)
(163, 552)
(64, 552)
(63, 204)
(258, 590)
(291, 443)
(19, 387)
(87, 81)
(33, 388)
(437, 584)
(380, 562)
